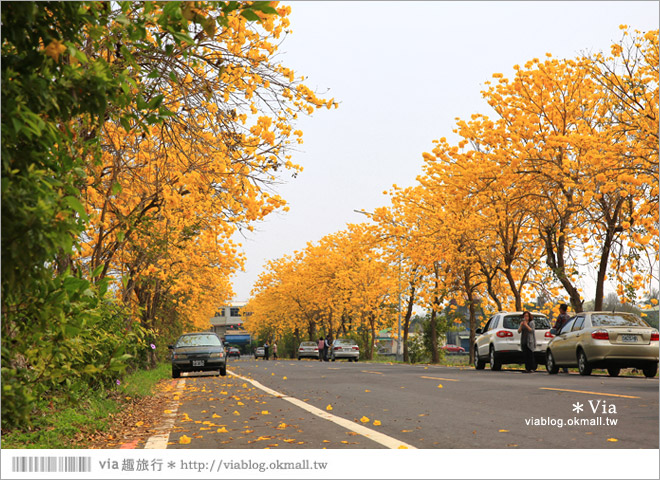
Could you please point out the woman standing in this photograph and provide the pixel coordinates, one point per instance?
(528, 341)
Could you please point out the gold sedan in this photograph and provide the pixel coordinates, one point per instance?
(611, 340)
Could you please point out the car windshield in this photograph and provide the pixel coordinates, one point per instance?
(513, 322)
(308, 344)
(617, 320)
(202, 340)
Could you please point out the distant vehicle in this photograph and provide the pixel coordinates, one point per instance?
(343, 348)
(611, 340)
(194, 352)
(234, 352)
(453, 349)
(259, 352)
(498, 342)
(309, 350)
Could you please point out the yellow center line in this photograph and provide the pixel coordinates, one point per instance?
(368, 371)
(590, 393)
(440, 378)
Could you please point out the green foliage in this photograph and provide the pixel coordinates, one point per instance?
(417, 351)
(59, 422)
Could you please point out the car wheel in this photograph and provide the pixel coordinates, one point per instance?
(298, 358)
(583, 365)
(613, 371)
(495, 362)
(478, 364)
(223, 370)
(650, 371)
(176, 373)
(550, 364)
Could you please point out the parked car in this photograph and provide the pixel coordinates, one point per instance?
(343, 348)
(234, 352)
(259, 352)
(610, 340)
(453, 349)
(309, 350)
(498, 343)
(194, 352)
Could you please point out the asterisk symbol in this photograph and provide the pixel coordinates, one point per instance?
(171, 465)
(577, 407)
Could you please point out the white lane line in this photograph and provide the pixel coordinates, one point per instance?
(385, 440)
(160, 440)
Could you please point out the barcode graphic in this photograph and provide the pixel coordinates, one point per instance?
(51, 464)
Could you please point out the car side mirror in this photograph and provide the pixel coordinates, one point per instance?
(554, 331)
(478, 331)
(171, 347)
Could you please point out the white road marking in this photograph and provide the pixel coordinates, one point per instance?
(160, 440)
(385, 440)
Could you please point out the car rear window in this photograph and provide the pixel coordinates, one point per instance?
(308, 344)
(513, 322)
(198, 341)
(617, 320)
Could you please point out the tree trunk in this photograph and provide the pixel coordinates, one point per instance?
(406, 322)
(555, 260)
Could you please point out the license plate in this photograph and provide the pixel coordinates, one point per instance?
(629, 338)
(198, 363)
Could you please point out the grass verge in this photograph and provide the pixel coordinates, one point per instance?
(71, 420)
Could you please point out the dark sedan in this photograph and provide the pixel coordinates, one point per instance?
(198, 352)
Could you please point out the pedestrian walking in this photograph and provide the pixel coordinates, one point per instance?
(321, 346)
(326, 348)
(275, 350)
(266, 350)
(562, 320)
(528, 341)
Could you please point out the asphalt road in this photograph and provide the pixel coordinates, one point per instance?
(284, 404)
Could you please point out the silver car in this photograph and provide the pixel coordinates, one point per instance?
(611, 340)
(344, 348)
(499, 341)
(309, 350)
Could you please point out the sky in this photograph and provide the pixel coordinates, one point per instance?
(402, 72)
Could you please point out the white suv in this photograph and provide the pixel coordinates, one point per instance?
(499, 341)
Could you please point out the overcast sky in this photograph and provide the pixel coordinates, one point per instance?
(402, 72)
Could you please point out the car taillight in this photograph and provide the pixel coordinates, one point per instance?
(600, 335)
(655, 336)
(316, 349)
(549, 335)
(300, 349)
(337, 348)
(356, 348)
(504, 333)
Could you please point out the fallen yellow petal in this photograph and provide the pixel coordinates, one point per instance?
(503, 430)
(612, 440)
(184, 439)
(240, 403)
(328, 408)
(215, 415)
(326, 441)
(376, 422)
(367, 391)
(284, 378)
(440, 386)
(265, 412)
(403, 447)
(236, 412)
(364, 419)
(222, 430)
